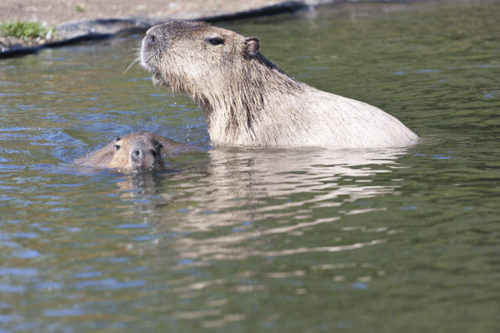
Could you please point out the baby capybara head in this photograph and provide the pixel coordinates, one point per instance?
(137, 151)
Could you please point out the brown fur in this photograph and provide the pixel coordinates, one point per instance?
(135, 151)
(248, 100)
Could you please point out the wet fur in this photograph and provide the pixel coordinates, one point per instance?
(110, 157)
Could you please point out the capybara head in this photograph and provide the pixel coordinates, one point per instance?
(193, 56)
(137, 151)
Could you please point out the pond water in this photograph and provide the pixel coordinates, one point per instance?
(246, 240)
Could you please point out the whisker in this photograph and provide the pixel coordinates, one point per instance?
(135, 61)
(135, 50)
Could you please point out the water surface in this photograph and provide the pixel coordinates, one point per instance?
(249, 240)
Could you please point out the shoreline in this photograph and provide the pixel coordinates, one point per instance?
(77, 31)
(119, 17)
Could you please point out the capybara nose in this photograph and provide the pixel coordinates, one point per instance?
(151, 38)
(136, 154)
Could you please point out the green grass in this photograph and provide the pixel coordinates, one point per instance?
(24, 30)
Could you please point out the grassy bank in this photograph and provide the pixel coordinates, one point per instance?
(26, 30)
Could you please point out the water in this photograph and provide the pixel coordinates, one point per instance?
(242, 240)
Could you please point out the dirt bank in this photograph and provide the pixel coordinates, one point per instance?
(55, 12)
(75, 20)
(82, 19)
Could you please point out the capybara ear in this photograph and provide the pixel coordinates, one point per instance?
(252, 45)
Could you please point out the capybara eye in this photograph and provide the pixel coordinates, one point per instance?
(214, 40)
(117, 147)
(152, 38)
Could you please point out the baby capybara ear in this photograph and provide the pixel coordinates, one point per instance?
(252, 46)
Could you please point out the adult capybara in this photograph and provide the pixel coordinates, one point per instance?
(249, 101)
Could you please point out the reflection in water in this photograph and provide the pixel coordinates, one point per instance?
(139, 184)
(236, 179)
(241, 195)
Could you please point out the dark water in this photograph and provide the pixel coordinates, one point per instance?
(284, 240)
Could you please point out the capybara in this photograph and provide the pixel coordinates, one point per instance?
(249, 101)
(132, 152)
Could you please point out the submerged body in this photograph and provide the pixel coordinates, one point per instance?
(249, 101)
(132, 152)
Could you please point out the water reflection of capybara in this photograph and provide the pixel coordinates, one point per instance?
(249, 101)
(135, 151)
(277, 191)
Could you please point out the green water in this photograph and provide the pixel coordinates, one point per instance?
(284, 240)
